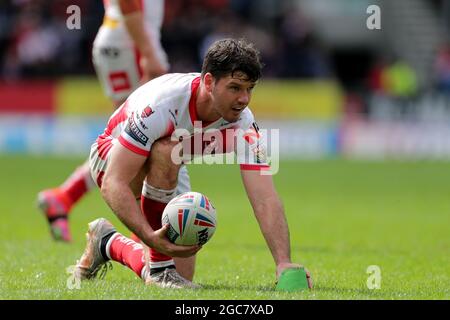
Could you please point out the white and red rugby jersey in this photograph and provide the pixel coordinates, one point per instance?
(153, 15)
(168, 103)
(153, 11)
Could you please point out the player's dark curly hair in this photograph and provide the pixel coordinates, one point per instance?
(227, 56)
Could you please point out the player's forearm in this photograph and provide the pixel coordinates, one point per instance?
(134, 23)
(121, 200)
(272, 221)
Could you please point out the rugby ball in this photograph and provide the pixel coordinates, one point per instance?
(191, 217)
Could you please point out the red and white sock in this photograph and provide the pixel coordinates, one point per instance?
(153, 202)
(130, 252)
(77, 185)
(127, 252)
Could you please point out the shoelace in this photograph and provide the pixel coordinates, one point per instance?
(175, 277)
(172, 278)
(169, 276)
(165, 275)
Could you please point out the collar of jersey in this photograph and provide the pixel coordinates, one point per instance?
(193, 103)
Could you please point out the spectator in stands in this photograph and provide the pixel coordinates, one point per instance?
(442, 69)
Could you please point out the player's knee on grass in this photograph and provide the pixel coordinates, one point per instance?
(162, 171)
(186, 267)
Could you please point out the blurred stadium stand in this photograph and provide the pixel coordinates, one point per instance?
(330, 84)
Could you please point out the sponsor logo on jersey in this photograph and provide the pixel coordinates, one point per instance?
(110, 52)
(143, 125)
(147, 112)
(134, 132)
(251, 135)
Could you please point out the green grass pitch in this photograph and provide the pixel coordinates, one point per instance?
(344, 216)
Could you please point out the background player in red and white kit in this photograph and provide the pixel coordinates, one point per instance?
(132, 160)
(127, 50)
(126, 53)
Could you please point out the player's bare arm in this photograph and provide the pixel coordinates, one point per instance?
(134, 22)
(269, 212)
(121, 185)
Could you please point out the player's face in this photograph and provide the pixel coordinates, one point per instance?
(231, 95)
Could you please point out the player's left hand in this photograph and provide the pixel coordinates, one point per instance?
(287, 265)
(151, 68)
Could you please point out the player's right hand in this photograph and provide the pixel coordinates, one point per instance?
(161, 244)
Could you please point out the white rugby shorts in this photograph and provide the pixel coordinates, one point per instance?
(116, 60)
(98, 165)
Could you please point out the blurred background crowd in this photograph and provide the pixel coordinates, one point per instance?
(35, 41)
(399, 72)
